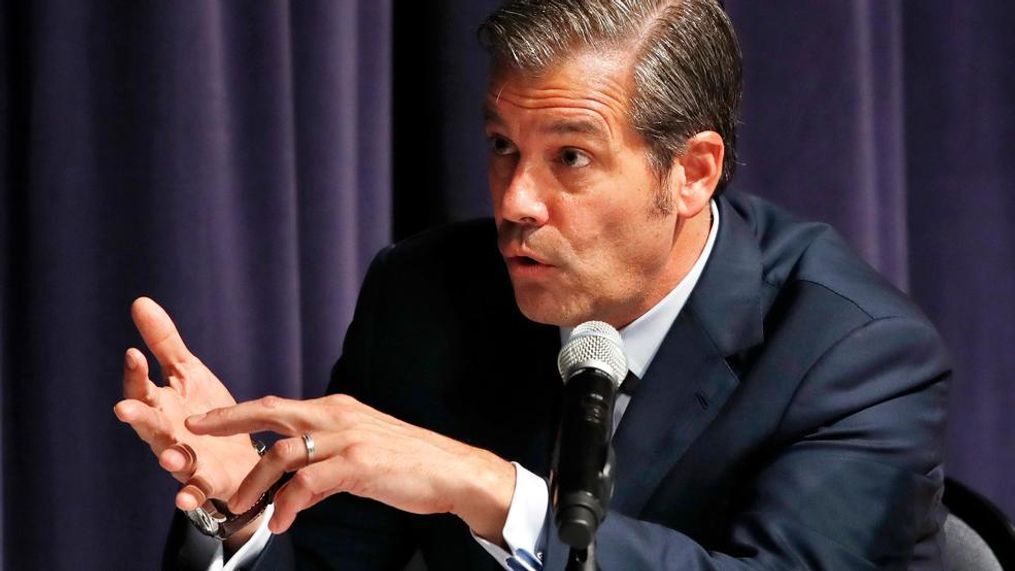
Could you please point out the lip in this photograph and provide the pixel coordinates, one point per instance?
(529, 266)
(521, 253)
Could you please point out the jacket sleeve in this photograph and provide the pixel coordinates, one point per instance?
(345, 531)
(854, 484)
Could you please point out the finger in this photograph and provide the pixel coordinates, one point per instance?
(284, 456)
(309, 486)
(158, 331)
(136, 384)
(145, 421)
(180, 460)
(200, 487)
(190, 497)
(284, 416)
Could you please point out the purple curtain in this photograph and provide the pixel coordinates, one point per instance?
(232, 160)
(960, 201)
(894, 122)
(241, 162)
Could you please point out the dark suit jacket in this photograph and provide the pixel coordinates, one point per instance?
(792, 417)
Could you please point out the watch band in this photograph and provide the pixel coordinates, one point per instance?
(214, 518)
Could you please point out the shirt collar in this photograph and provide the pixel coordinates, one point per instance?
(643, 336)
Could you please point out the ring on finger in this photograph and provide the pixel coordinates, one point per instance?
(308, 441)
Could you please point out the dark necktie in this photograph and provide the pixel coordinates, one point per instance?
(630, 384)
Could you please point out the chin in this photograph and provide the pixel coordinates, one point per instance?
(543, 307)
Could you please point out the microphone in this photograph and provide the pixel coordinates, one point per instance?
(592, 365)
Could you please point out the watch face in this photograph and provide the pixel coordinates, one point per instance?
(204, 521)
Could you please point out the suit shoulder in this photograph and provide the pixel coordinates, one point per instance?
(799, 254)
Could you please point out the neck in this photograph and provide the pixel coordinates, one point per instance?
(689, 238)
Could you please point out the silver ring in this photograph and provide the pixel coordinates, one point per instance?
(308, 441)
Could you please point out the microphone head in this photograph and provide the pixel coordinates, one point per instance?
(594, 345)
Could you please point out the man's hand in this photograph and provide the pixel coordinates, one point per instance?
(208, 466)
(366, 453)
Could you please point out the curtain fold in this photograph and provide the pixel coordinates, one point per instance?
(232, 160)
(822, 129)
(960, 125)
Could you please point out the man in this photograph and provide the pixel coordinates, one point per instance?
(791, 402)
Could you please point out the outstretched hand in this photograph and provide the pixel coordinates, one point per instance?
(365, 452)
(208, 466)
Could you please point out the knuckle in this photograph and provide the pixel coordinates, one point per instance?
(358, 453)
(306, 479)
(339, 404)
(271, 402)
(283, 450)
(343, 399)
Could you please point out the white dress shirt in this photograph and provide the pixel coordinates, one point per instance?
(246, 555)
(523, 530)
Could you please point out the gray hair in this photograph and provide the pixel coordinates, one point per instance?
(687, 70)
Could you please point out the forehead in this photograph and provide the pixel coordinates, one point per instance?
(594, 84)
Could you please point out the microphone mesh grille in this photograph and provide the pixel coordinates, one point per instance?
(593, 344)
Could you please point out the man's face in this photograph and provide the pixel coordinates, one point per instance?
(574, 196)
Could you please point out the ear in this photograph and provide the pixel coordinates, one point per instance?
(696, 172)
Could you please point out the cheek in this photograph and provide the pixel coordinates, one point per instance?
(597, 227)
(593, 244)
(627, 244)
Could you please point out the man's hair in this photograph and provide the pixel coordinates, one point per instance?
(687, 63)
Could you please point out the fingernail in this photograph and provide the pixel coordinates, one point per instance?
(131, 363)
(197, 417)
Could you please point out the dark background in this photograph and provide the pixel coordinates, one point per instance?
(241, 163)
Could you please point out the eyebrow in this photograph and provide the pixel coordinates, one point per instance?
(559, 127)
(575, 126)
(490, 114)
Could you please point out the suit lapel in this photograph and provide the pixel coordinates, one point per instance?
(689, 379)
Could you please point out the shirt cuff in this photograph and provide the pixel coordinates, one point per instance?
(523, 529)
(245, 556)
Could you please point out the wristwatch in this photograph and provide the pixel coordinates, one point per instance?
(214, 518)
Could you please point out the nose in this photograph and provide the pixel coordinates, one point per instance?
(522, 201)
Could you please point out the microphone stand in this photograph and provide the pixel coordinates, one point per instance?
(578, 520)
(583, 559)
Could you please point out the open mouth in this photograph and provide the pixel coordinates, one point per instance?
(526, 264)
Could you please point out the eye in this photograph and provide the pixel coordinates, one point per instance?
(574, 158)
(501, 146)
